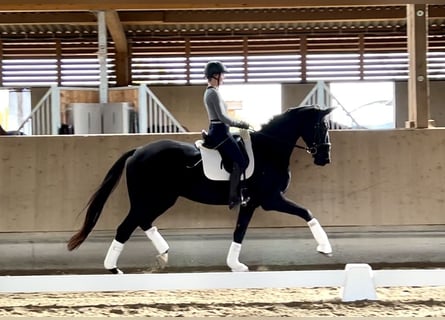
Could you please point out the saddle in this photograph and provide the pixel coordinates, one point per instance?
(217, 166)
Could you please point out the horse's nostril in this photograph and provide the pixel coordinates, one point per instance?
(321, 161)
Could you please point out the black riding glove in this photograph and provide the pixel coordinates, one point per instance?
(243, 125)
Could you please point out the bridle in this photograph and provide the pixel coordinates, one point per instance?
(312, 150)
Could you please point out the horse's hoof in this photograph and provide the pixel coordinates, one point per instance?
(162, 260)
(241, 267)
(116, 271)
(325, 249)
(326, 254)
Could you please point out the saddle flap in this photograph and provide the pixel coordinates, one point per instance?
(212, 160)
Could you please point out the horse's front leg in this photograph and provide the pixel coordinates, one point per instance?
(244, 217)
(279, 202)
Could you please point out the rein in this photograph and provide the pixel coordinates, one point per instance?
(311, 150)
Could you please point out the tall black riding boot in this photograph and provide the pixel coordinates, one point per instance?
(234, 194)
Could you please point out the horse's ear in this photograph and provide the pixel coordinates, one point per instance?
(327, 111)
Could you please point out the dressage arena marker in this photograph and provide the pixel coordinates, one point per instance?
(357, 281)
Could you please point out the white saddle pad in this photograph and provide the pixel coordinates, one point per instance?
(212, 160)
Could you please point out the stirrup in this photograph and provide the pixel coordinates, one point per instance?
(244, 201)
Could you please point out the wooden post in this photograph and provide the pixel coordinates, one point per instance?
(418, 84)
(303, 55)
(123, 75)
(102, 53)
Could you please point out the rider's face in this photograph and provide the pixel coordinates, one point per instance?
(217, 79)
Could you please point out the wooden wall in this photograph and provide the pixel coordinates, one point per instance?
(76, 96)
(68, 96)
(376, 178)
(436, 101)
(129, 95)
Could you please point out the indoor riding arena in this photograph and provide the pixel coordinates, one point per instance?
(84, 83)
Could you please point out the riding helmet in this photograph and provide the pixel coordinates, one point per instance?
(214, 67)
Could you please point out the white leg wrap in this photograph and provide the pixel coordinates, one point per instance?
(320, 236)
(158, 241)
(161, 246)
(110, 262)
(232, 258)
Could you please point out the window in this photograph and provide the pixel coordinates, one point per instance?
(369, 104)
(15, 106)
(254, 103)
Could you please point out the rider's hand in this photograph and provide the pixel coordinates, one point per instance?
(243, 125)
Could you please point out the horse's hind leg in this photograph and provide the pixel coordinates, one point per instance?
(123, 233)
(161, 202)
(160, 245)
(113, 253)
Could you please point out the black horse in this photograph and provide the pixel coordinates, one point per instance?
(160, 172)
(3, 132)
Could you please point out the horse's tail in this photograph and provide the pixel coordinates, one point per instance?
(98, 199)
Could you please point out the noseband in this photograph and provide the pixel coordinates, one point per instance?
(313, 149)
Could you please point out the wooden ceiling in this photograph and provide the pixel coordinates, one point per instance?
(31, 20)
(129, 23)
(87, 5)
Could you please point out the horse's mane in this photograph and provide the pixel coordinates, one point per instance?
(279, 118)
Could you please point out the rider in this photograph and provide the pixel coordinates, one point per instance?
(219, 134)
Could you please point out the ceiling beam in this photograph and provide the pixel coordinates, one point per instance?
(86, 5)
(116, 31)
(338, 14)
(29, 18)
(262, 16)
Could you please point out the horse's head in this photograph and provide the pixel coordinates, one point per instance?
(309, 123)
(316, 135)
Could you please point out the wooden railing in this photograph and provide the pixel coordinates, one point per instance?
(153, 115)
(45, 116)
